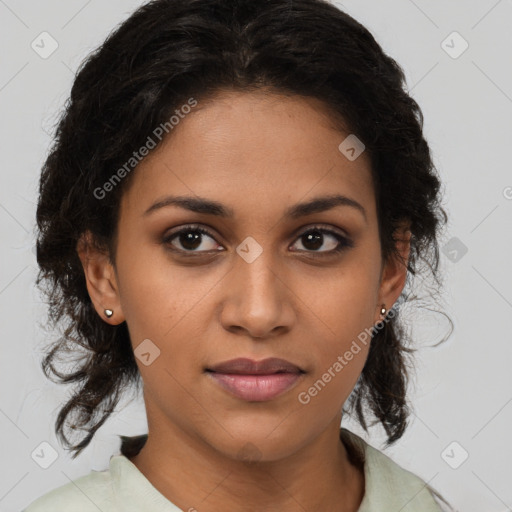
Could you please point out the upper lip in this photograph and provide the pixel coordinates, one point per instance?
(247, 366)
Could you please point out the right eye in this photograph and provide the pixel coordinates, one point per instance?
(189, 238)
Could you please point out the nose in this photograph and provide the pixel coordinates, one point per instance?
(258, 300)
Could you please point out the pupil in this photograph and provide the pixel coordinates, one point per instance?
(190, 240)
(314, 238)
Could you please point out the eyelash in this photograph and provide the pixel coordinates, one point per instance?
(343, 242)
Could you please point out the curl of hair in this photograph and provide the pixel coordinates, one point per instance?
(165, 53)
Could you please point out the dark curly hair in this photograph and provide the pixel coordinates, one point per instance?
(166, 52)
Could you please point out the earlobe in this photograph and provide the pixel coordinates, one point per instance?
(100, 280)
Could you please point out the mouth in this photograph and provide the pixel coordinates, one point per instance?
(256, 381)
(246, 366)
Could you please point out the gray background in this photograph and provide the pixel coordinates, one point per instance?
(462, 391)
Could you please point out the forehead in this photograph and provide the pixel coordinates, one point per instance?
(252, 150)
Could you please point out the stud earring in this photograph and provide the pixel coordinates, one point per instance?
(108, 313)
(383, 310)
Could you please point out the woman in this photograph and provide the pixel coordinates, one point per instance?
(237, 194)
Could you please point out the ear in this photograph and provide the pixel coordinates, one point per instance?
(100, 278)
(394, 272)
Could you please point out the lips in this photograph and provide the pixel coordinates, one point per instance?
(245, 366)
(256, 381)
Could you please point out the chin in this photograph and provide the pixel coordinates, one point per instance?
(261, 442)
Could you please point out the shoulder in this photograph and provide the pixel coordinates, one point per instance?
(388, 485)
(88, 493)
(122, 487)
(400, 486)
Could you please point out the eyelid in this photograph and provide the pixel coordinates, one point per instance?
(321, 227)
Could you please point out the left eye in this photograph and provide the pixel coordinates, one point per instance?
(314, 238)
(191, 237)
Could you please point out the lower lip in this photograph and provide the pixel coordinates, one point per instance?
(256, 388)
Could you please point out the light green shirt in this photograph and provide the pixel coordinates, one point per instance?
(123, 488)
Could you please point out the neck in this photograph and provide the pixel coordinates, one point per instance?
(195, 476)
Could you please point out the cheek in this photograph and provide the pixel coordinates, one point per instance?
(167, 313)
(343, 310)
(345, 305)
(339, 364)
(157, 296)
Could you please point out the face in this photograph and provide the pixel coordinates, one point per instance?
(255, 282)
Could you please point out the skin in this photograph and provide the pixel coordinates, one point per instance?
(257, 154)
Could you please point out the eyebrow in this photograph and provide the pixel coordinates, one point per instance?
(210, 207)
